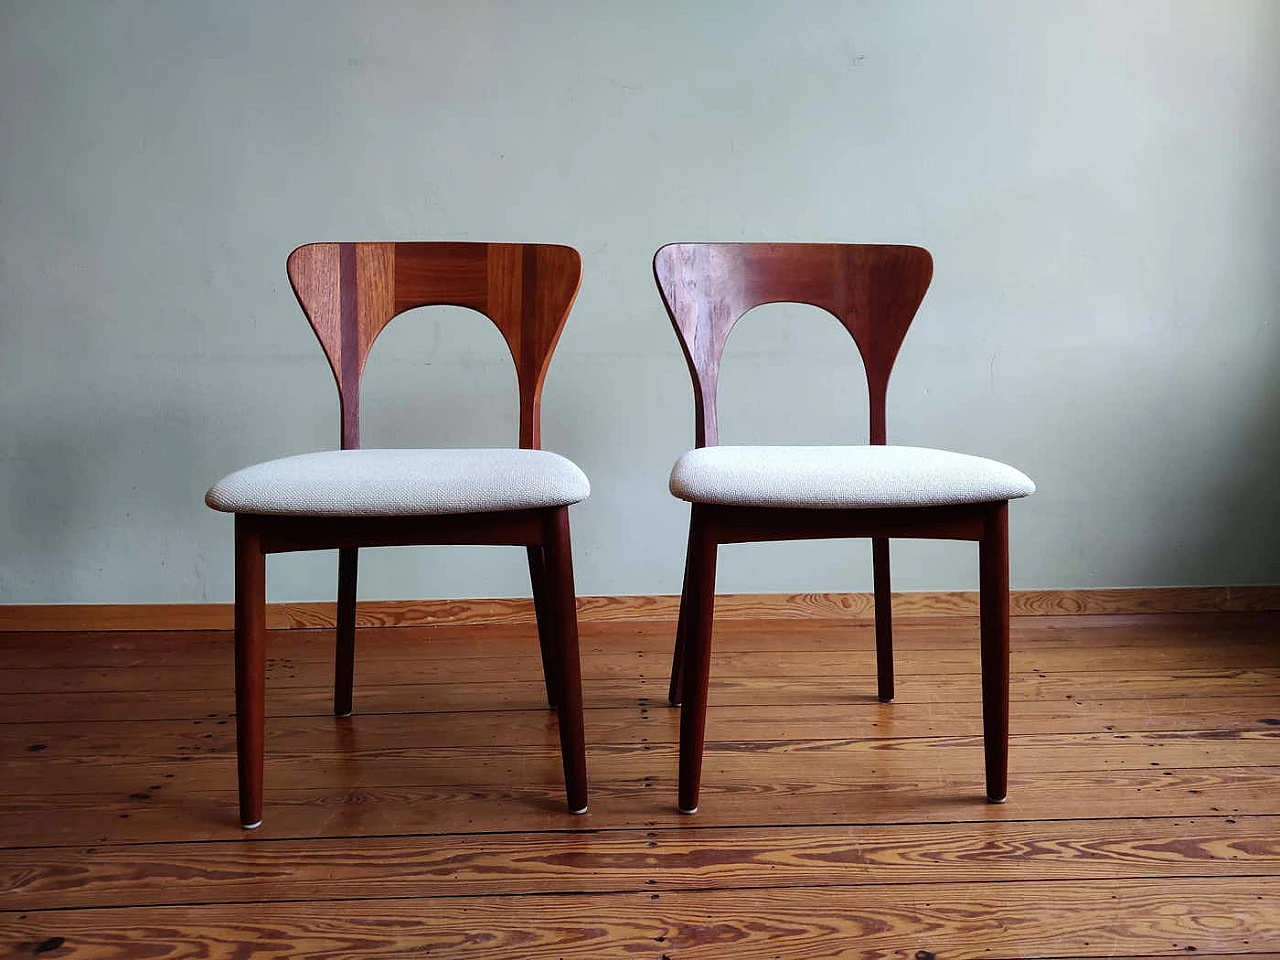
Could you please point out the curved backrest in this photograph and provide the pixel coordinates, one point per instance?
(874, 290)
(351, 291)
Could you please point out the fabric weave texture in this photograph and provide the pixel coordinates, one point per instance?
(385, 483)
(842, 477)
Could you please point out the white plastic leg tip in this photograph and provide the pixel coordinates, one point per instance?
(687, 813)
(252, 826)
(577, 812)
(997, 799)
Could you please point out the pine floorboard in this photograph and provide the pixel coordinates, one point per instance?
(1143, 818)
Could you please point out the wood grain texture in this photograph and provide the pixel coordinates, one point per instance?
(769, 667)
(1141, 688)
(174, 810)
(994, 920)
(1235, 733)
(780, 606)
(657, 860)
(1142, 819)
(1089, 636)
(527, 291)
(348, 759)
(634, 722)
(316, 275)
(873, 290)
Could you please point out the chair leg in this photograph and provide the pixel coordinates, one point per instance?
(559, 569)
(700, 606)
(994, 612)
(344, 661)
(884, 618)
(676, 689)
(542, 608)
(251, 667)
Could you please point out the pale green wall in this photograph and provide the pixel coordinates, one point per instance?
(1097, 182)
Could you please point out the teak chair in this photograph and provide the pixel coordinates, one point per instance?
(352, 498)
(743, 494)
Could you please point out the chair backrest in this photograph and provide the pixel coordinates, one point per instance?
(351, 291)
(874, 290)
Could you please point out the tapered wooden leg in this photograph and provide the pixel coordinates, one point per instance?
(884, 618)
(344, 661)
(676, 690)
(559, 568)
(543, 610)
(994, 612)
(251, 666)
(700, 606)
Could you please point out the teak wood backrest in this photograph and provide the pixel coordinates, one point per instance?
(351, 291)
(874, 290)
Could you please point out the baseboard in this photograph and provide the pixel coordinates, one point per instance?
(745, 606)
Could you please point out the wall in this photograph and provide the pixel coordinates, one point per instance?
(1096, 182)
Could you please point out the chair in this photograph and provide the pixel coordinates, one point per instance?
(743, 494)
(352, 498)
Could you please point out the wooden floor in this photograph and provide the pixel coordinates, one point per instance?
(1143, 817)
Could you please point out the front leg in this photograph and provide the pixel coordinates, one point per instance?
(344, 660)
(251, 667)
(884, 618)
(993, 562)
(700, 604)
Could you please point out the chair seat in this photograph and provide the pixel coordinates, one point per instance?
(390, 483)
(847, 477)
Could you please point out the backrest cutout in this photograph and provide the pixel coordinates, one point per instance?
(874, 291)
(351, 291)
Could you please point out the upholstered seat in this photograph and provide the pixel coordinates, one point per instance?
(842, 477)
(397, 483)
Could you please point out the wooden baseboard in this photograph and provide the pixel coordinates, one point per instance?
(764, 606)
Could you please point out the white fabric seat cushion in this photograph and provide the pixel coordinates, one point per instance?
(391, 483)
(842, 477)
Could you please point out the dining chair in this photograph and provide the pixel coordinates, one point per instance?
(759, 493)
(350, 498)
